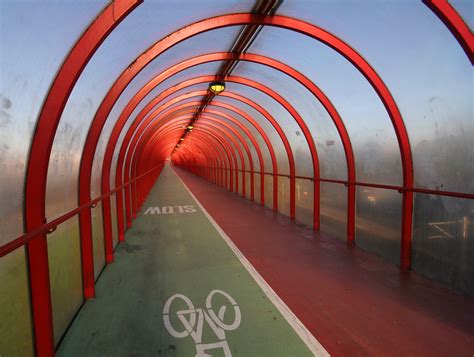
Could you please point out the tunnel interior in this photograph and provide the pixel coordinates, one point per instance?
(352, 118)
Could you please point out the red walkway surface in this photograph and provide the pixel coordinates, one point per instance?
(354, 303)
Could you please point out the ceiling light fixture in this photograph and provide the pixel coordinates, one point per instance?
(217, 87)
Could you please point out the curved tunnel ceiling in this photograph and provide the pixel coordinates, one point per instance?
(278, 118)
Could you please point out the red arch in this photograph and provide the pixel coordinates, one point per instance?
(229, 154)
(185, 159)
(210, 152)
(150, 142)
(227, 149)
(246, 101)
(291, 24)
(129, 135)
(455, 23)
(191, 104)
(292, 112)
(275, 124)
(210, 120)
(186, 105)
(257, 59)
(37, 172)
(232, 165)
(333, 42)
(246, 131)
(216, 123)
(206, 160)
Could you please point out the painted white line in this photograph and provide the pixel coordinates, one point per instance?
(311, 342)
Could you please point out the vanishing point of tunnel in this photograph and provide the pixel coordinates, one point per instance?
(252, 178)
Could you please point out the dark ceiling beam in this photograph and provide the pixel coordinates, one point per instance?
(242, 42)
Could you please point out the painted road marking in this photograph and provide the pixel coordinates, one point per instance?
(192, 320)
(170, 210)
(311, 342)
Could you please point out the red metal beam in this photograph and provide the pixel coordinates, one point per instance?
(222, 149)
(206, 120)
(264, 113)
(297, 76)
(191, 104)
(186, 105)
(244, 129)
(242, 42)
(244, 57)
(302, 125)
(304, 28)
(183, 160)
(223, 135)
(223, 56)
(223, 170)
(37, 172)
(226, 128)
(455, 23)
(221, 154)
(233, 165)
(248, 102)
(52, 225)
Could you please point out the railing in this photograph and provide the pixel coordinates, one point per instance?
(50, 227)
(346, 183)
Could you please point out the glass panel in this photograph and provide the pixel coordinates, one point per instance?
(326, 137)
(435, 101)
(64, 253)
(284, 195)
(334, 210)
(248, 179)
(443, 240)
(258, 137)
(373, 138)
(378, 222)
(281, 116)
(210, 68)
(247, 140)
(98, 239)
(272, 134)
(35, 37)
(188, 90)
(269, 191)
(158, 18)
(257, 179)
(16, 322)
(92, 83)
(304, 201)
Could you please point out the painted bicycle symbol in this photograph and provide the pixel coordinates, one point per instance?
(192, 321)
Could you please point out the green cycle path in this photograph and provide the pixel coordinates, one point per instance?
(179, 287)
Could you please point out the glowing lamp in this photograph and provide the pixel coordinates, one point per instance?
(217, 87)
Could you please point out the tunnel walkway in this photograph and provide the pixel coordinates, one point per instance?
(353, 302)
(196, 247)
(178, 288)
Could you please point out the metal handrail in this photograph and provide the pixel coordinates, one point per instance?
(400, 189)
(51, 226)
